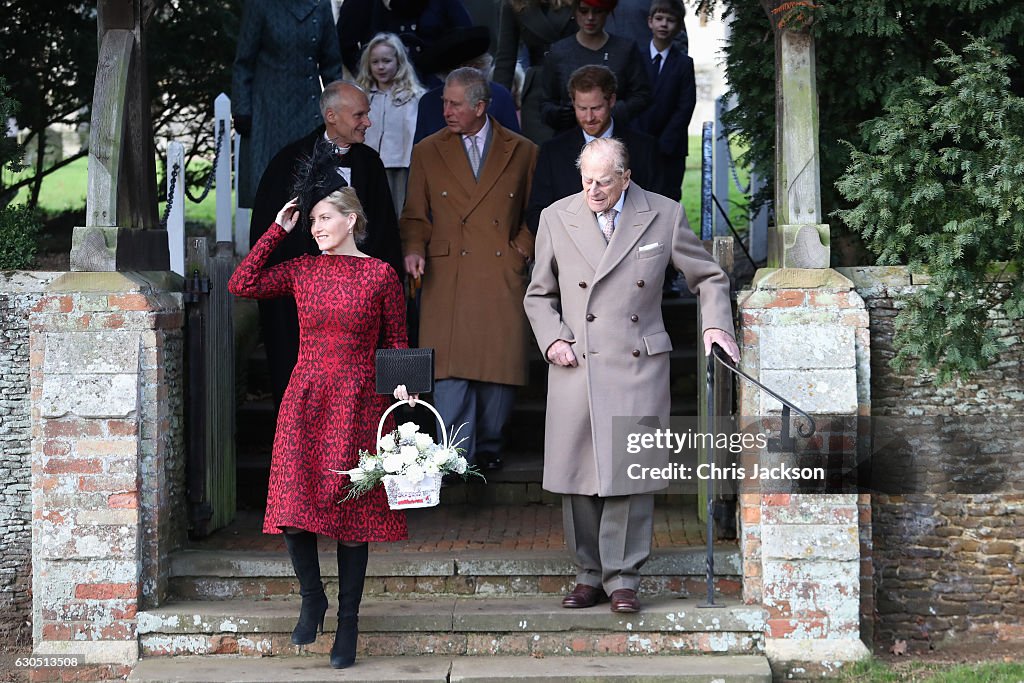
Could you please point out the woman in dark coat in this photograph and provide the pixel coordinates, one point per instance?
(593, 45)
(285, 48)
(349, 304)
(536, 24)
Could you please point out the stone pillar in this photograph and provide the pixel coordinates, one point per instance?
(804, 334)
(801, 236)
(107, 462)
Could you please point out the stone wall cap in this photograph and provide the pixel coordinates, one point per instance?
(26, 281)
(800, 278)
(132, 281)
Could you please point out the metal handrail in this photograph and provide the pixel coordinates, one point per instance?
(718, 354)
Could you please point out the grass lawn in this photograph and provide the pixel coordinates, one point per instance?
(914, 670)
(65, 190)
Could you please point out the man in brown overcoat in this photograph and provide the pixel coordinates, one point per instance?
(595, 305)
(463, 231)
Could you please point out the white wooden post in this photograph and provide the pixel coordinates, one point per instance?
(222, 122)
(176, 218)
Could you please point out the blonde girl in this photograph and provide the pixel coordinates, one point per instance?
(388, 77)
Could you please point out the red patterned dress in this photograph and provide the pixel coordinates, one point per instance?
(330, 410)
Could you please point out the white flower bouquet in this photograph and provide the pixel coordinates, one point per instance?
(409, 465)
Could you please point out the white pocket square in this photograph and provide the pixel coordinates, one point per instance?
(648, 247)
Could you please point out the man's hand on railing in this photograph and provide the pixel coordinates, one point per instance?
(714, 335)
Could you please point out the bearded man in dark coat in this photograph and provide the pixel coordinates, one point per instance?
(346, 113)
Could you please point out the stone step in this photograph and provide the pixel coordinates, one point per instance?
(439, 625)
(223, 575)
(314, 669)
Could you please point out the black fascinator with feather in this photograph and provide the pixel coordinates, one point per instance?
(316, 177)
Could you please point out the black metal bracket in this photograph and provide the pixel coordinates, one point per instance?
(195, 286)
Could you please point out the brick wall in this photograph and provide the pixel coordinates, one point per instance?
(19, 292)
(949, 561)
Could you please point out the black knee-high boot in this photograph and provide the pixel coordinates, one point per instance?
(306, 563)
(351, 575)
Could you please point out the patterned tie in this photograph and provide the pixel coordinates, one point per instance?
(474, 156)
(608, 223)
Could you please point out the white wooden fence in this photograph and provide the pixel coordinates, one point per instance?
(232, 222)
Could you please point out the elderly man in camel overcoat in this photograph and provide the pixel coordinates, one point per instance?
(595, 305)
(463, 231)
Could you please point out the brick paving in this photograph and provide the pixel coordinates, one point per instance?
(470, 527)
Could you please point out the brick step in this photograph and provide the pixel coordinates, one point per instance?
(224, 575)
(442, 625)
(412, 669)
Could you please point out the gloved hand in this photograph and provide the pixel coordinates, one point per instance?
(243, 124)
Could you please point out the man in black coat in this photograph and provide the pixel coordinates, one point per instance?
(592, 90)
(346, 110)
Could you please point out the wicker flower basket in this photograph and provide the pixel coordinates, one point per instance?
(404, 494)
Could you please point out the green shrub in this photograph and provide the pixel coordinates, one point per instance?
(940, 187)
(19, 230)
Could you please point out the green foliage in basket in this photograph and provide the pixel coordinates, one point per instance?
(408, 452)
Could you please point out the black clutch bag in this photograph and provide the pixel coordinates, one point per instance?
(412, 367)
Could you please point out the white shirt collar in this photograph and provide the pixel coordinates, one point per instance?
(339, 148)
(607, 134)
(619, 204)
(480, 135)
(656, 51)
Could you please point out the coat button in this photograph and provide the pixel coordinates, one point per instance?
(639, 283)
(583, 285)
(498, 253)
(590, 317)
(636, 353)
(584, 356)
(463, 252)
(634, 317)
(444, 194)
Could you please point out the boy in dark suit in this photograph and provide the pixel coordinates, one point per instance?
(674, 92)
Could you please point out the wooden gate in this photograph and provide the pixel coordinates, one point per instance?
(210, 395)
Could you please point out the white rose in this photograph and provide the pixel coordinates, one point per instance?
(407, 430)
(409, 454)
(459, 465)
(414, 473)
(356, 475)
(441, 456)
(387, 443)
(431, 467)
(393, 463)
(423, 441)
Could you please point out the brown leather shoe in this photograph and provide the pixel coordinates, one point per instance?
(624, 601)
(583, 596)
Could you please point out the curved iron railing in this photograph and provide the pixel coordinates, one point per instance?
(719, 355)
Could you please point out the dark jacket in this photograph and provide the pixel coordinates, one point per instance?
(557, 177)
(672, 104)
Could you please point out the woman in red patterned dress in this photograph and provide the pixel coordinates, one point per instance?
(347, 302)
